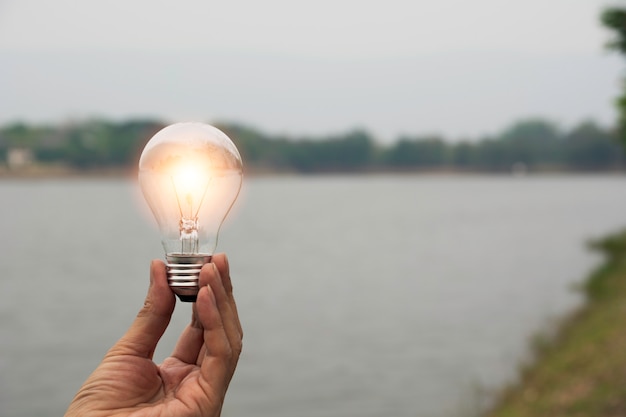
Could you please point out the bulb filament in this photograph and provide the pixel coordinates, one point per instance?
(188, 225)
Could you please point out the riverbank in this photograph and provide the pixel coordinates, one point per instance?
(42, 171)
(46, 171)
(582, 370)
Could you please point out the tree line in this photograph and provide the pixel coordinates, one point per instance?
(533, 144)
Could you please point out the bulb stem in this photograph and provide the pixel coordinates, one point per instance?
(188, 229)
(183, 274)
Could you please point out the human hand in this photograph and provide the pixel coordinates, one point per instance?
(190, 383)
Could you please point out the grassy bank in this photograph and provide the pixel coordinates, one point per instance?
(582, 372)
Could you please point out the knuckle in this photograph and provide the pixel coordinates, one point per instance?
(237, 348)
(147, 308)
(226, 352)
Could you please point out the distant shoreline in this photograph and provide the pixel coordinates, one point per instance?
(58, 171)
(63, 171)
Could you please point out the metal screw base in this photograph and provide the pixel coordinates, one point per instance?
(183, 273)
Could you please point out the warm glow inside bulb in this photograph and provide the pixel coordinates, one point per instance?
(191, 186)
(188, 179)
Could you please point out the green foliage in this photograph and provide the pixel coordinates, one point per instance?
(93, 143)
(418, 152)
(620, 103)
(349, 152)
(613, 247)
(580, 370)
(589, 147)
(534, 144)
(614, 19)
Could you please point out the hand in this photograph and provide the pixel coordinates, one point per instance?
(193, 381)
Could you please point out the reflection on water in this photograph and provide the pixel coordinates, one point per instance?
(360, 296)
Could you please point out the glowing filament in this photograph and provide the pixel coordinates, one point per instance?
(190, 186)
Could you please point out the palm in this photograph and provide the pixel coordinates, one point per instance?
(142, 388)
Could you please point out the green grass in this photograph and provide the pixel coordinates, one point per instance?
(582, 372)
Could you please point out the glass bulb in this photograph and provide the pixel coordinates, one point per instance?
(190, 175)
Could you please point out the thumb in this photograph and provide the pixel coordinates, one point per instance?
(152, 320)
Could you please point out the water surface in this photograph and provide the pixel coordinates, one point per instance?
(360, 296)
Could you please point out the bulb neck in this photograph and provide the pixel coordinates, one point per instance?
(183, 274)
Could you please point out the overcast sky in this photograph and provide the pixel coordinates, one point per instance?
(457, 68)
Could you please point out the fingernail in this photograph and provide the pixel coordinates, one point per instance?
(211, 295)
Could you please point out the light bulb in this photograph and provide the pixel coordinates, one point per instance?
(190, 175)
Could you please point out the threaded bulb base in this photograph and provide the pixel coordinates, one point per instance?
(183, 274)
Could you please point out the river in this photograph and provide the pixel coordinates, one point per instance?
(405, 296)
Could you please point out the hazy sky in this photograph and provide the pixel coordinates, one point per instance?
(453, 67)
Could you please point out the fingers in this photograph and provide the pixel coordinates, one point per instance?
(217, 355)
(152, 320)
(217, 314)
(191, 346)
(225, 302)
(221, 262)
(222, 340)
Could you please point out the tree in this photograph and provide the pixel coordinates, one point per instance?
(614, 18)
(532, 142)
(418, 152)
(589, 147)
(463, 155)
